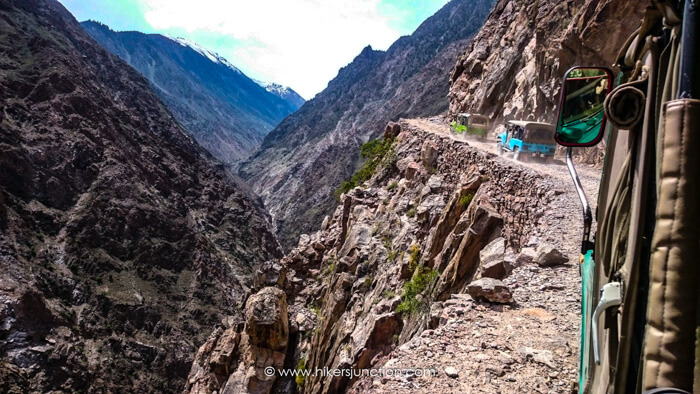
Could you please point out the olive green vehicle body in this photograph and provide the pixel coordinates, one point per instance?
(646, 253)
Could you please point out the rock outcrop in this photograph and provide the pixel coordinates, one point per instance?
(122, 242)
(397, 251)
(234, 360)
(304, 160)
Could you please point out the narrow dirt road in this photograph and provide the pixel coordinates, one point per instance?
(530, 346)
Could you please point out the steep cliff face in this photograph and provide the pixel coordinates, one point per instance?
(224, 110)
(121, 241)
(304, 160)
(514, 66)
(378, 271)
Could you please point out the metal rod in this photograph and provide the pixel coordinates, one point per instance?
(688, 80)
(586, 244)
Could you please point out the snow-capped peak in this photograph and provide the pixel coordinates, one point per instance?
(213, 56)
(273, 87)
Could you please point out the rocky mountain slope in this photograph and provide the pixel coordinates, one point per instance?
(441, 235)
(514, 66)
(224, 110)
(122, 242)
(304, 160)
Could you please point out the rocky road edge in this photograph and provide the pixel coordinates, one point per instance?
(448, 258)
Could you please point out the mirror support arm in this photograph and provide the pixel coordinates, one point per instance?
(688, 81)
(586, 244)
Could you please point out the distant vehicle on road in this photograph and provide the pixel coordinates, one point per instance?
(471, 124)
(527, 139)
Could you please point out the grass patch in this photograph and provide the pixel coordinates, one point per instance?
(411, 289)
(388, 294)
(391, 254)
(330, 268)
(373, 152)
(392, 186)
(411, 212)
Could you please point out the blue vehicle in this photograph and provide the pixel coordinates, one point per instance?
(527, 139)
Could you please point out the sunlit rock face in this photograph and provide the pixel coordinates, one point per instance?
(513, 68)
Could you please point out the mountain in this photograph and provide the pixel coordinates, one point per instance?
(224, 110)
(122, 242)
(284, 92)
(304, 159)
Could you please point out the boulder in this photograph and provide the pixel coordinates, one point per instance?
(491, 290)
(451, 372)
(494, 251)
(429, 154)
(526, 256)
(266, 321)
(495, 269)
(392, 130)
(548, 256)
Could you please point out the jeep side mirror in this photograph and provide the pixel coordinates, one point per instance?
(581, 116)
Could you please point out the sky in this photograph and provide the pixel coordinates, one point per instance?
(297, 43)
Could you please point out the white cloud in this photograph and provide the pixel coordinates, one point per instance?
(301, 43)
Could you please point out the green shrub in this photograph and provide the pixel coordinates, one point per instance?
(466, 199)
(411, 289)
(392, 186)
(301, 378)
(374, 153)
(313, 307)
(413, 257)
(388, 294)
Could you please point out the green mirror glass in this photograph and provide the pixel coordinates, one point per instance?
(581, 112)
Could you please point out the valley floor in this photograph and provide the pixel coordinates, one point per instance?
(528, 346)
